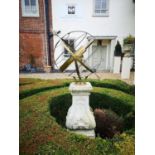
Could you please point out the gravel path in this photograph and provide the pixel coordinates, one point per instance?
(66, 76)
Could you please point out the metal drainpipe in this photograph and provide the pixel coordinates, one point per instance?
(48, 32)
(45, 37)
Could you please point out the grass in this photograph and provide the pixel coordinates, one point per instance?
(43, 105)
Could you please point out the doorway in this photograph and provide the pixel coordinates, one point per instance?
(99, 57)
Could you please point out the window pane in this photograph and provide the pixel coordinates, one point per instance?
(71, 43)
(33, 2)
(100, 6)
(27, 3)
(30, 8)
(98, 1)
(97, 11)
(103, 11)
(33, 9)
(97, 4)
(97, 7)
(103, 4)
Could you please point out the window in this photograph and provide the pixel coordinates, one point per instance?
(71, 43)
(30, 8)
(101, 7)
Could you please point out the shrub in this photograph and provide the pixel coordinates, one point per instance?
(108, 123)
(124, 144)
(129, 40)
(123, 107)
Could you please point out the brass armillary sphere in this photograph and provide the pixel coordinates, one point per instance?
(76, 45)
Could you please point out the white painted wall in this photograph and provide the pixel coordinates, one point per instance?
(120, 21)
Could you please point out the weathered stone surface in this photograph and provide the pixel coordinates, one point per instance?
(80, 116)
(126, 66)
(117, 65)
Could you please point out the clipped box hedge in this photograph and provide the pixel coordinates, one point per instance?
(43, 107)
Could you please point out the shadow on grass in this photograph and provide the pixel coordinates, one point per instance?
(59, 106)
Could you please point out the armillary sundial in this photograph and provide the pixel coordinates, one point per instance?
(75, 44)
(72, 51)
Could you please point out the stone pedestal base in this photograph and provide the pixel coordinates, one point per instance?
(117, 64)
(47, 69)
(126, 65)
(79, 117)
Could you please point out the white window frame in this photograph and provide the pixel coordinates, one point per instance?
(105, 14)
(29, 14)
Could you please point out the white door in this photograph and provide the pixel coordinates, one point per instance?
(99, 58)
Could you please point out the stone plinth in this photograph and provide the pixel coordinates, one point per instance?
(117, 64)
(126, 66)
(47, 69)
(80, 118)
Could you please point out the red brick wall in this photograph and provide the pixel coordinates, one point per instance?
(31, 45)
(32, 38)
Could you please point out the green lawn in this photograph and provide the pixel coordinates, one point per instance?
(43, 107)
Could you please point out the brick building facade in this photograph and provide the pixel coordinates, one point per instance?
(35, 24)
